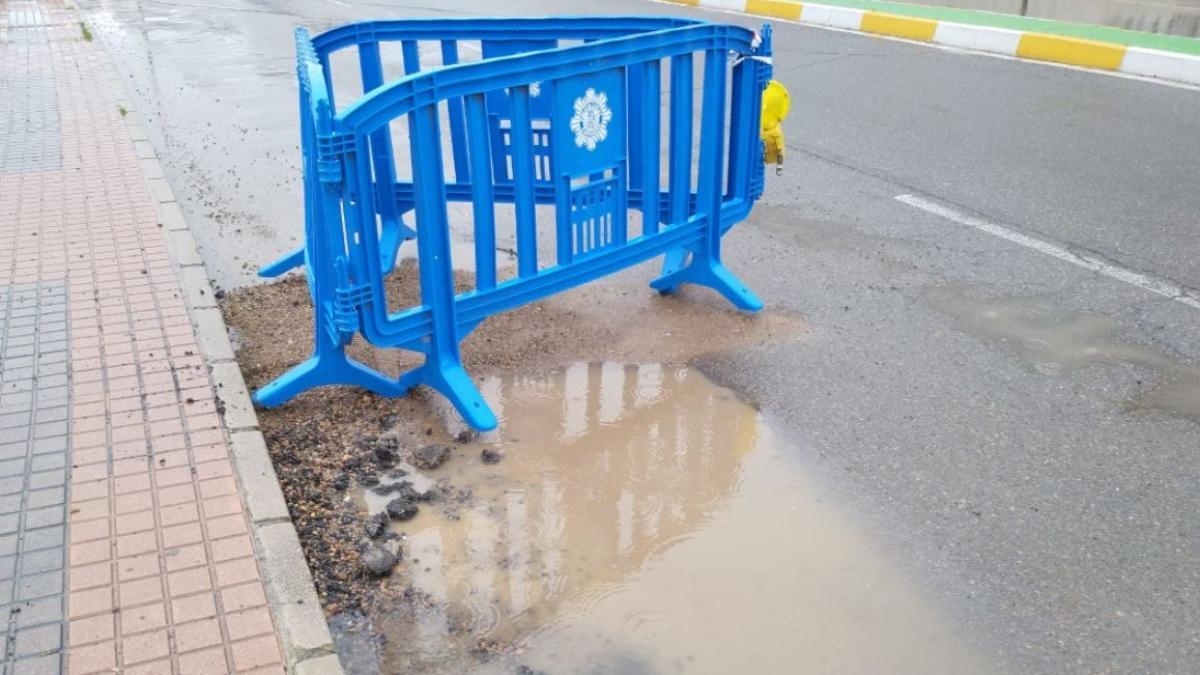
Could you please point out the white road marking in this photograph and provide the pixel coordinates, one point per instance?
(1144, 281)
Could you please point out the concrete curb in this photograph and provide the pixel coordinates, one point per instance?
(300, 622)
(1033, 46)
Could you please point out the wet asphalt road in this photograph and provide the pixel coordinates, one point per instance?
(1020, 433)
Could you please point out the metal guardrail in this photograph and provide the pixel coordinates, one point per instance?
(562, 112)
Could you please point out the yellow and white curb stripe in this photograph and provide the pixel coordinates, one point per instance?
(1164, 65)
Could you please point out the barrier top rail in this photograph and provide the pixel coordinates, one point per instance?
(382, 104)
(552, 28)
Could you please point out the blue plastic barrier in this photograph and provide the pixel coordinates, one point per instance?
(563, 112)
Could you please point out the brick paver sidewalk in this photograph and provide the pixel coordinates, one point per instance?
(123, 537)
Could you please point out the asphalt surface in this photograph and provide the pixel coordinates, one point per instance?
(1020, 433)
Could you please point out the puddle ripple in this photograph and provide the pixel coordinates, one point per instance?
(644, 520)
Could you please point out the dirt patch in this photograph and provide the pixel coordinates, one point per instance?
(326, 440)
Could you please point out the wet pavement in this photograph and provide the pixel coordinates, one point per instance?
(1015, 435)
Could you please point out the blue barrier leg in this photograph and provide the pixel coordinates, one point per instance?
(322, 369)
(390, 241)
(453, 382)
(673, 261)
(714, 275)
(286, 262)
(705, 268)
(442, 370)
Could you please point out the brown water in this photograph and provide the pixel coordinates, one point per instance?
(644, 520)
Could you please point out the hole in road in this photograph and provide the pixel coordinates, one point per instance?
(643, 520)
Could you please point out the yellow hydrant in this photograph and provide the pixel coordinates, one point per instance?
(775, 106)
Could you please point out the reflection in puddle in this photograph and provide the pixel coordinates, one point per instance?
(644, 520)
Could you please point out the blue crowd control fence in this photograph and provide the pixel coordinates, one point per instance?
(562, 112)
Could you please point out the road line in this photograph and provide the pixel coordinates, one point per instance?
(1144, 281)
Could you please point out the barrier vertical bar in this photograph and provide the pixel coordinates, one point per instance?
(680, 177)
(411, 56)
(712, 127)
(433, 249)
(458, 142)
(482, 199)
(443, 368)
(371, 66)
(521, 135)
(649, 150)
(564, 228)
(738, 185)
(634, 105)
(327, 77)
(681, 137)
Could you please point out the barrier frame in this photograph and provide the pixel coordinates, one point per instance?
(354, 205)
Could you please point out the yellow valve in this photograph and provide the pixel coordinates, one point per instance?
(775, 106)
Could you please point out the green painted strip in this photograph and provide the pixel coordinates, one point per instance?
(1171, 43)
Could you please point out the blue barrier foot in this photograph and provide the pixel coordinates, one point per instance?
(286, 262)
(322, 370)
(455, 384)
(715, 276)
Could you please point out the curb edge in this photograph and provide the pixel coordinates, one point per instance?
(300, 622)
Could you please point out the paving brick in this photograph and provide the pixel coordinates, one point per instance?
(12, 467)
(185, 557)
(249, 623)
(90, 575)
(39, 640)
(45, 560)
(41, 611)
(94, 629)
(96, 658)
(139, 566)
(144, 646)
(44, 517)
(48, 664)
(48, 470)
(10, 504)
(51, 496)
(143, 618)
(44, 538)
(197, 634)
(187, 582)
(204, 662)
(140, 591)
(255, 652)
(242, 597)
(39, 585)
(91, 601)
(199, 606)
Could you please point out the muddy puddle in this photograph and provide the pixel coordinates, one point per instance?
(1056, 344)
(643, 520)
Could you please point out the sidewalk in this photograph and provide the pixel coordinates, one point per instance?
(124, 536)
